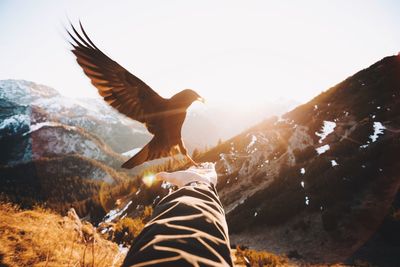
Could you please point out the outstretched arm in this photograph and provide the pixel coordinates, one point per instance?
(188, 227)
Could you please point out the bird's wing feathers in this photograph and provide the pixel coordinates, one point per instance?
(121, 89)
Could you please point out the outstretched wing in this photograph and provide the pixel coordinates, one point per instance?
(119, 88)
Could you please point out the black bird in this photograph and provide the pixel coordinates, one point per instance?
(135, 99)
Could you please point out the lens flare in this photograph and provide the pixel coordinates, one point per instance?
(149, 179)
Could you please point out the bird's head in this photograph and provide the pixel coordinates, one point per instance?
(187, 97)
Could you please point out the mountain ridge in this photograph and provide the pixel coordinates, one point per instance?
(308, 169)
(315, 183)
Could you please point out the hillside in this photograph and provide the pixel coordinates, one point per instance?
(42, 238)
(60, 183)
(25, 98)
(320, 179)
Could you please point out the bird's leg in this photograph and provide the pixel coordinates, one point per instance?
(183, 150)
(191, 160)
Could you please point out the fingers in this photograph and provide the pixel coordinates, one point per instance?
(167, 177)
(204, 166)
(178, 178)
(204, 173)
(162, 176)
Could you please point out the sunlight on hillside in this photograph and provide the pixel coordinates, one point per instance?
(42, 238)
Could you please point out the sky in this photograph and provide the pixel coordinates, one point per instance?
(242, 54)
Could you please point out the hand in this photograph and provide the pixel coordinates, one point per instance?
(204, 172)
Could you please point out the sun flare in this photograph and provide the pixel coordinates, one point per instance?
(149, 179)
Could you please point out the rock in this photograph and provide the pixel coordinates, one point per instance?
(74, 222)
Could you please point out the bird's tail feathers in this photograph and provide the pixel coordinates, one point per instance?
(141, 157)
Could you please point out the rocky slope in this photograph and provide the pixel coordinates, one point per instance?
(27, 103)
(49, 139)
(319, 180)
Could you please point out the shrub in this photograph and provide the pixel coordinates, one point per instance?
(251, 257)
(127, 229)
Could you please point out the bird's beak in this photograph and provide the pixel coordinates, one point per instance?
(202, 100)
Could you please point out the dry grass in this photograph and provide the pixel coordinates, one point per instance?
(249, 257)
(124, 230)
(41, 238)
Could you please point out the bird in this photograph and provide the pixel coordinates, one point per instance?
(132, 97)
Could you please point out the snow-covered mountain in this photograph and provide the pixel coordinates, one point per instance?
(319, 180)
(58, 151)
(51, 139)
(203, 127)
(92, 115)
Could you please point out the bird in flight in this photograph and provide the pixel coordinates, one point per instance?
(132, 97)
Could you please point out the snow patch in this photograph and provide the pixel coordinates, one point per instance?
(122, 249)
(15, 124)
(113, 214)
(327, 128)
(322, 149)
(37, 126)
(132, 152)
(252, 142)
(378, 130)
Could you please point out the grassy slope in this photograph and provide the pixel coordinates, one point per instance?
(42, 238)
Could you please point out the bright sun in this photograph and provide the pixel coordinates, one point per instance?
(148, 179)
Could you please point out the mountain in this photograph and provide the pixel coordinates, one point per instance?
(51, 139)
(203, 127)
(208, 124)
(319, 181)
(40, 103)
(319, 184)
(52, 152)
(60, 152)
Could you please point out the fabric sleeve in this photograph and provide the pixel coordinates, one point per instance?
(188, 228)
